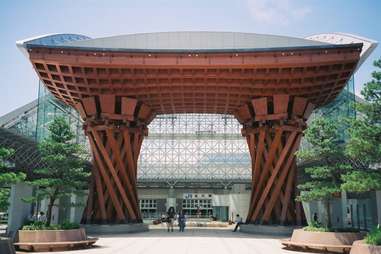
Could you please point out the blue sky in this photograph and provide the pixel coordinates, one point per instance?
(23, 19)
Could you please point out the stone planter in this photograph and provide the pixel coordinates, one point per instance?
(6, 246)
(323, 241)
(53, 240)
(360, 247)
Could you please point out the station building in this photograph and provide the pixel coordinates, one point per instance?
(196, 162)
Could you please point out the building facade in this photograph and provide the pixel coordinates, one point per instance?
(195, 162)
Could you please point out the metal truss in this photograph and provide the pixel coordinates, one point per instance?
(191, 147)
(26, 156)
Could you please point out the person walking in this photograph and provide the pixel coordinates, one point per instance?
(238, 222)
(170, 218)
(41, 217)
(182, 221)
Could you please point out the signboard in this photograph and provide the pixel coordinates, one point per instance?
(197, 196)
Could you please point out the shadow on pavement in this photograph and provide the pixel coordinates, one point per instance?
(191, 232)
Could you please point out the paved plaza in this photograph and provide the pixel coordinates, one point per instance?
(193, 241)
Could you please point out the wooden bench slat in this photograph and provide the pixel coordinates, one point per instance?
(314, 244)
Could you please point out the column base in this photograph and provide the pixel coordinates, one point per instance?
(272, 230)
(109, 229)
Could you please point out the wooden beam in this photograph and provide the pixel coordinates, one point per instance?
(113, 172)
(123, 172)
(107, 181)
(257, 172)
(274, 174)
(275, 193)
(129, 154)
(99, 189)
(266, 169)
(107, 102)
(289, 189)
(89, 105)
(280, 103)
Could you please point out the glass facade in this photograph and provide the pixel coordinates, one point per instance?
(343, 105)
(194, 146)
(49, 108)
(26, 124)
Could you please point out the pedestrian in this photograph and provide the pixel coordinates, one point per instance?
(238, 222)
(163, 218)
(41, 217)
(182, 221)
(198, 212)
(315, 218)
(170, 218)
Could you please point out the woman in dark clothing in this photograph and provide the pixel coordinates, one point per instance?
(170, 218)
(181, 220)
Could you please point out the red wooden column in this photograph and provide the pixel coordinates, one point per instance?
(115, 127)
(273, 128)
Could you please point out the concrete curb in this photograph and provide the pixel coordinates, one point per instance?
(267, 230)
(98, 229)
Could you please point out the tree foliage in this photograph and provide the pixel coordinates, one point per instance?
(364, 142)
(65, 172)
(323, 178)
(325, 149)
(330, 173)
(6, 177)
(372, 96)
(361, 181)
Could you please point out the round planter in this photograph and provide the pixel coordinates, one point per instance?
(326, 241)
(360, 247)
(6, 246)
(53, 240)
(37, 236)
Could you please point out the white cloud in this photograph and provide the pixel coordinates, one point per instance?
(280, 12)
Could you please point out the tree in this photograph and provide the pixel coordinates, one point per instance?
(65, 172)
(372, 96)
(364, 142)
(7, 177)
(323, 178)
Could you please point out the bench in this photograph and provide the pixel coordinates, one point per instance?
(55, 246)
(314, 246)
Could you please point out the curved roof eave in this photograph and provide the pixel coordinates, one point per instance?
(181, 42)
(187, 42)
(227, 50)
(335, 38)
(48, 40)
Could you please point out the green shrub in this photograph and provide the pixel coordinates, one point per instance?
(315, 226)
(316, 229)
(69, 225)
(374, 236)
(38, 225)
